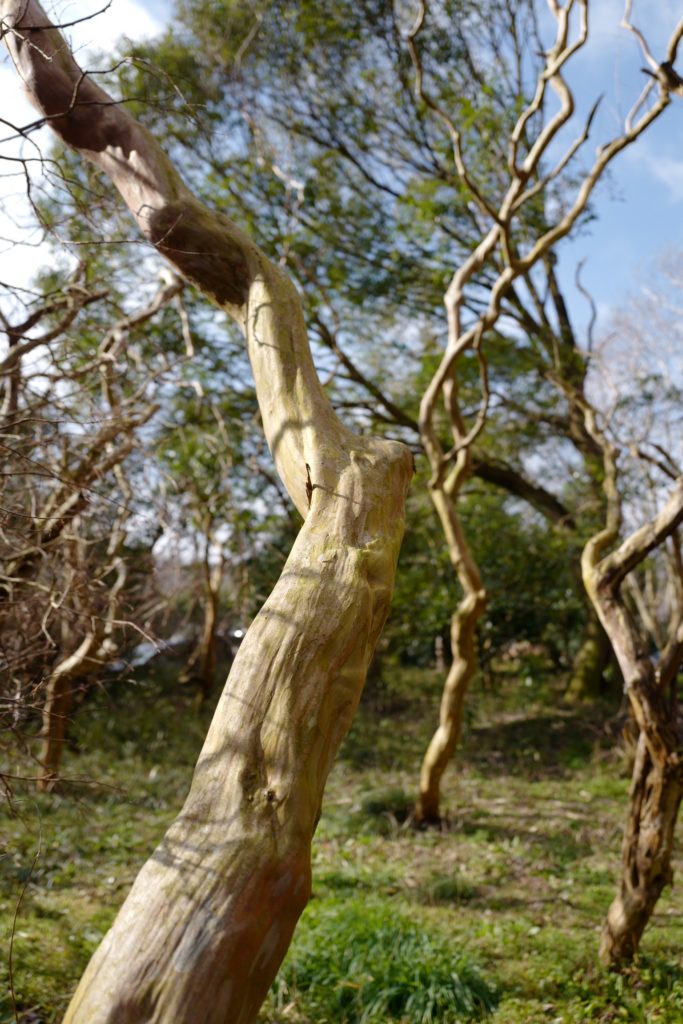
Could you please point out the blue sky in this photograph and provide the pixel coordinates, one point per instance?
(640, 208)
(21, 252)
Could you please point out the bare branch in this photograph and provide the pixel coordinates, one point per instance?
(615, 566)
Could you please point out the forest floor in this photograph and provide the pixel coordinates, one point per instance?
(504, 901)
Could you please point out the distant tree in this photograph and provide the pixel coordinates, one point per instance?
(652, 690)
(219, 494)
(376, 182)
(633, 572)
(520, 226)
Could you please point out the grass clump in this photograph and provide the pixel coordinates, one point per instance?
(446, 889)
(360, 963)
(649, 991)
(382, 811)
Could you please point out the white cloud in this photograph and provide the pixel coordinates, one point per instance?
(123, 18)
(19, 262)
(655, 18)
(658, 169)
(669, 172)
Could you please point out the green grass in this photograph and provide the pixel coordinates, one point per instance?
(358, 962)
(507, 895)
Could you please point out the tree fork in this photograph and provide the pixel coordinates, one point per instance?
(657, 780)
(203, 931)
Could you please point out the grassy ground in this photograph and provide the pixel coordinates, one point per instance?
(503, 904)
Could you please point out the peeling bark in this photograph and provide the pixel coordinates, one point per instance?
(654, 796)
(210, 916)
(657, 780)
(654, 800)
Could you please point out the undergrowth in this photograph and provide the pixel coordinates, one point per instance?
(357, 962)
(498, 912)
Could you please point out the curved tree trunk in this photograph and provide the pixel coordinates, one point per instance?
(55, 720)
(656, 783)
(93, 652)
(211, 914)
(463, 666)
(654, 799)
(203, 931)
(657, 780)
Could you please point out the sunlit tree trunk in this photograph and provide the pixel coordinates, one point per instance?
(657, 780)
(210, 916)
(462, 669)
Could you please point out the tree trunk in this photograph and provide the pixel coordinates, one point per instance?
(201, 665)
(211, 914)
(445, 739)
(204, 929)
(94, 650)
(56, 711)
(207, 647)
(654, 799)
(58, 701)
(657, 781)
(462, 669)
(592, 659)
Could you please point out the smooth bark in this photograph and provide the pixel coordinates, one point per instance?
(462, 669)
(210, 916)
